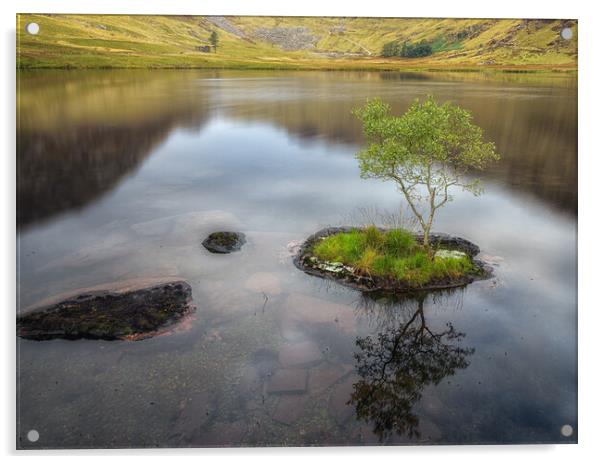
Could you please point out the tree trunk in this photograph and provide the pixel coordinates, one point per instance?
(426, 238)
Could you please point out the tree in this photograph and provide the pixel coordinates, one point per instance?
(214, 39)
(421, 49)
(404, 50)
(390, 49)
(407, 49)
(426, 152)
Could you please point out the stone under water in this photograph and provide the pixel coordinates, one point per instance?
(287, 381)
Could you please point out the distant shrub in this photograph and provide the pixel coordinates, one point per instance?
(391, 49)
(421, 49)
(408, 49)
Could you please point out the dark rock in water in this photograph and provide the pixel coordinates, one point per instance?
(345, 275)
(224, 242)
(127, 312)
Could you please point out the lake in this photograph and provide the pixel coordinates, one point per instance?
(122, 174)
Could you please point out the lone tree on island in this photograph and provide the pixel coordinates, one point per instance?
(427, 151)
(214, 40)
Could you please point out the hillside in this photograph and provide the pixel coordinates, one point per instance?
(97, 41)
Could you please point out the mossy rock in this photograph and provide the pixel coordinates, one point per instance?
(224, 242)
(126, 313)
(306, 261)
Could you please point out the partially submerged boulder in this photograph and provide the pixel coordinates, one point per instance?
(224, 242)
(445, 244)
(131, 310)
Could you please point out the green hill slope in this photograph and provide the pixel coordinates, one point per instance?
(82, 41)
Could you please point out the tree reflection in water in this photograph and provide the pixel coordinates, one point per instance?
(397, 363)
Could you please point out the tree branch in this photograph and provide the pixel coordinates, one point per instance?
(408, 197)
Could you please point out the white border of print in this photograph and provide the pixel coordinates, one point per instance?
(589, 205)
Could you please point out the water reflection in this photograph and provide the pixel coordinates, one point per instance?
(398, 362)
(134, 168)
(80, 133)
(534, 128)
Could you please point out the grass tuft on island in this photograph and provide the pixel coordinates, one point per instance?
(390, 255)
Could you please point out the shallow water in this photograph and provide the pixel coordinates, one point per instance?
(122, 174)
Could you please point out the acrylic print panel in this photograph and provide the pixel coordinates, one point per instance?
(261, 231)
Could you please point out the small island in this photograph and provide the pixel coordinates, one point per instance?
(427, 152)
(390, 260)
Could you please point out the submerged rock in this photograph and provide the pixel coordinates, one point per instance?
(288, 381)
(312, 311)
(127, 312)
(290, 408)
(325, 375)
(224, 242)
(338, 404)
(299, 354)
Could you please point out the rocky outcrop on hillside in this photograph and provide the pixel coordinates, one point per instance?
(288, 38)
(226, 25)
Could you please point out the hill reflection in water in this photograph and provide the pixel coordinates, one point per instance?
(81, 132)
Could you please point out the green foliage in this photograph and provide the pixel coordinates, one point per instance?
(392, 254)
(443, 44)
(408, 49)
(214, 40)
(341, 247)
(365, 263)
(384, 265)
(399, 243)
(431, 147)
(391, 49)
(427, 133)
(373, 237)
(419, 50)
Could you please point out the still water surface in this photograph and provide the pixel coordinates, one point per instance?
(122, 174)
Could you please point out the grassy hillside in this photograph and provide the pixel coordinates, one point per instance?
(96, 41)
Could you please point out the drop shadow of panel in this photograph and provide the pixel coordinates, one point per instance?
(80, 134)
(402, 357)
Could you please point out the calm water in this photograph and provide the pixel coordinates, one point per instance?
(123, 173)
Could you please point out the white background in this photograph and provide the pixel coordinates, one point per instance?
(590, 169)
